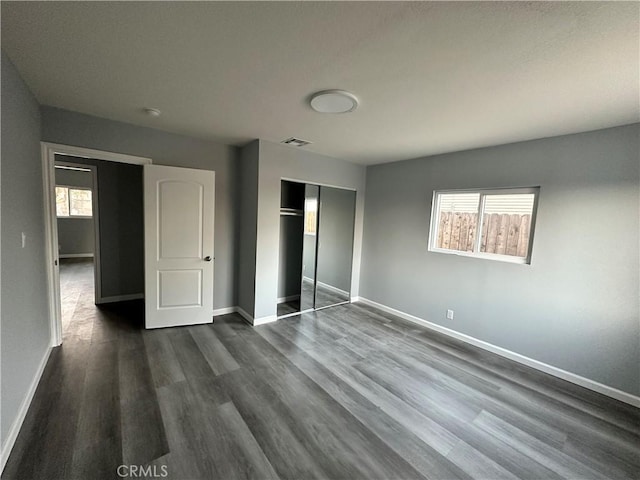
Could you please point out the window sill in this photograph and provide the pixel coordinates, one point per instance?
(484, 256)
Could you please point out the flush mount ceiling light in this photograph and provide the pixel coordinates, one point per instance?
(333, 101)
(152, 112)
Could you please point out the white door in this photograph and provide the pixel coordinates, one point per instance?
(178, 226)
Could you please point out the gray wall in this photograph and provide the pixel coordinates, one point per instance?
(335, 245)
(576, 306)
(71, 128)
(248, 202)
(75, 235)
(279, 162)
(25, 325)
(121, 219)
(73, 178)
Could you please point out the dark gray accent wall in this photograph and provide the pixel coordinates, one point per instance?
(576, 307)
(290, 252)
(248, 212)
(24, 326)
(71, 128)
(75, 235)
(121, 222)
(290, 256)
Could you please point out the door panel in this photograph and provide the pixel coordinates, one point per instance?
(180, 211)
(179, 288)
(179, 207)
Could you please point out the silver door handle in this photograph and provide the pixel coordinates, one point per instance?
(207, 258)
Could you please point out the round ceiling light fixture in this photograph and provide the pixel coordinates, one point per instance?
(333, 101)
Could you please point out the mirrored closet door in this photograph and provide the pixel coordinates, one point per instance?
(316, 247)
(309, 247)
(335, 246)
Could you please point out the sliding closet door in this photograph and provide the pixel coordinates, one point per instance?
(335, 246)
(309, 246)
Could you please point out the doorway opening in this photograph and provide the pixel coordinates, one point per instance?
(76, 220)
(95, 242)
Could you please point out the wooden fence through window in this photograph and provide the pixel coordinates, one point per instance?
(506, 234)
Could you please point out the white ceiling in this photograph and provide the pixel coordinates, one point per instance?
(431, 77)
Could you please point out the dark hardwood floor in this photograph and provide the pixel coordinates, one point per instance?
(343, 393)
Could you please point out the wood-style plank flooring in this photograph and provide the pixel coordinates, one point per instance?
(343, 393)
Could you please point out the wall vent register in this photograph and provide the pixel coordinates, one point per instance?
(296, 142)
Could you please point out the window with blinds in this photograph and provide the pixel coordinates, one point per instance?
(495, 224)
(73, 202)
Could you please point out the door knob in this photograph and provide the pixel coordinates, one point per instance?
(207, 258)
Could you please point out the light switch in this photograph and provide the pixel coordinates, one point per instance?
(24, 239)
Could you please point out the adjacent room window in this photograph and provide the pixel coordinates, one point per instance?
(496, 224)
(73, 202)
(310, 216)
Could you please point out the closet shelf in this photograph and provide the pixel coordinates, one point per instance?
(292, 211)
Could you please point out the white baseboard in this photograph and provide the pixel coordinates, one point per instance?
(331, 288)
(256, 321)
(22, 411)
(543, 367)
(75, 255)
(120, 298)
(263, 320)
(224, 311)
(248, 318)
(290, 298)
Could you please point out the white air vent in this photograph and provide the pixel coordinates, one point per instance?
(295, 142)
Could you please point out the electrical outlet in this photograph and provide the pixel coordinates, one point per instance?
(449, 314)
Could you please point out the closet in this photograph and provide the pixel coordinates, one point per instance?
(316, 247)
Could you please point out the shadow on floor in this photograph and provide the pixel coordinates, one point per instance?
(123, 314)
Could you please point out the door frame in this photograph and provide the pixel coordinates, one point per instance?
(48, 152)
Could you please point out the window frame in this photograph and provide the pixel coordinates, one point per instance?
(69, 187)
(476, 253)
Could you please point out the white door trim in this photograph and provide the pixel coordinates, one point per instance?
(49, 151)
